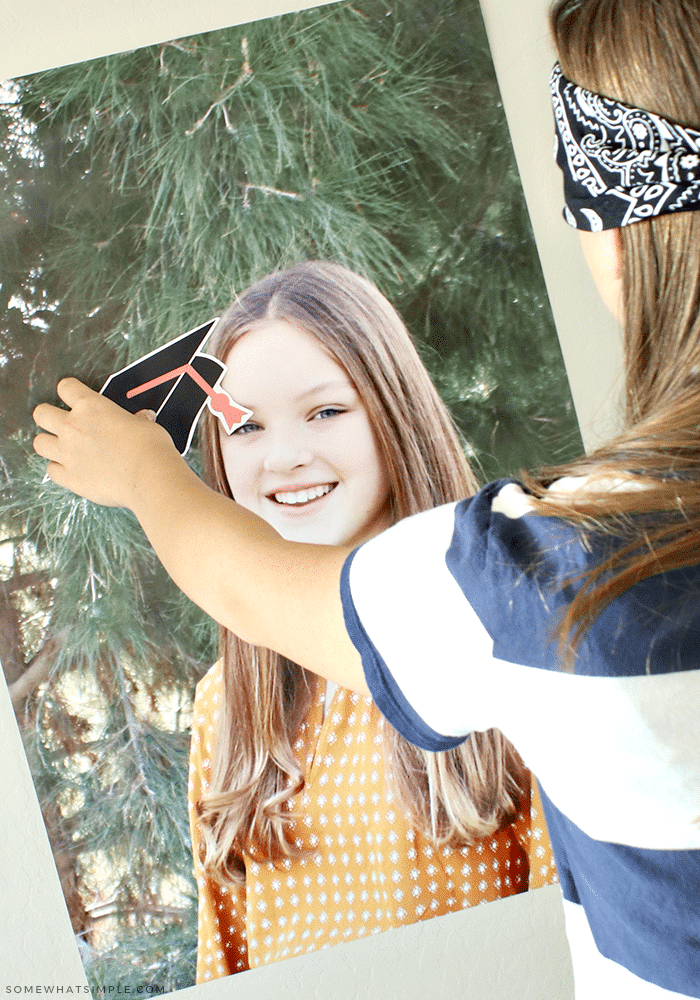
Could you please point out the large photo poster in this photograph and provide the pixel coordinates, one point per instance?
(143, 193)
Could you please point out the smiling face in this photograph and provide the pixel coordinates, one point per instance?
(307, 460)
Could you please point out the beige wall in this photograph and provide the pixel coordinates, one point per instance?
(589, 337)
(514, 948)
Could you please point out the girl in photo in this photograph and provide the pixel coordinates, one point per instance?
(314, 822)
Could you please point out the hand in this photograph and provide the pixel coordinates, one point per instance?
(97, 449)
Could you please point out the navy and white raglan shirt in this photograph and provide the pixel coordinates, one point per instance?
(453, 612)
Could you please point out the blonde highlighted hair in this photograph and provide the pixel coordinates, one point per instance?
(643, 53)
(454, 797)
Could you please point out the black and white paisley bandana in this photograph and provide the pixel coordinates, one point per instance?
(620, 164)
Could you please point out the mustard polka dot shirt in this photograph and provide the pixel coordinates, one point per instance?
(371, 869)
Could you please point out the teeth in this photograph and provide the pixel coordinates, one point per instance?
(303, 496)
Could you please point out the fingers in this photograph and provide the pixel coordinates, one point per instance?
(53, 472)
(48, 417)
(78, 397)
(45, 446)
(54, 420)
(71, 391)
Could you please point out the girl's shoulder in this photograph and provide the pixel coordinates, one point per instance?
(515, 532)
(493, 572)
(209, 688)
(519, 569)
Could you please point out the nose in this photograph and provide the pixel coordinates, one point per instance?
(286, 451)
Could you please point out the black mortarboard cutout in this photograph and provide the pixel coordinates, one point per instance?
(177, 381)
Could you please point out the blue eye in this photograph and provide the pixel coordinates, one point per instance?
(247, 428)
(329, 411)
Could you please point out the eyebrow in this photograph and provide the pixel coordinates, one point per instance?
(329, 386)
(324, 387)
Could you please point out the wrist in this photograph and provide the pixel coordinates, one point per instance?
(157, 476)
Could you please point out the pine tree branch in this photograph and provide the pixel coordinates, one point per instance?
(102, 909)
(36, 673)
(66, 861)
(245, 74)
(135, 731)
(11, 644)
(170, 45)
(23, 581)
(294, 195)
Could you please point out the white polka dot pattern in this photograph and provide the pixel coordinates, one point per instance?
(371, 870)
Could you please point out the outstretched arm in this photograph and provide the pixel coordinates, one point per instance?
(270, 592)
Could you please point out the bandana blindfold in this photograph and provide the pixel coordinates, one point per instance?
(620, 164)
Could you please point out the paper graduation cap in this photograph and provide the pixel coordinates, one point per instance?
(177, 381)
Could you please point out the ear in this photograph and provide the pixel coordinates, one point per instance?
(614, 251)
(604, 255)
(606, 250)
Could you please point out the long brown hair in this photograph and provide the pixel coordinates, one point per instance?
(454, 796)
(645, 54)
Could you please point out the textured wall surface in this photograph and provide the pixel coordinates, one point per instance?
(36, 939)
(511, 949)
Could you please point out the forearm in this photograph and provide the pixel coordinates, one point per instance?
(228, 561)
